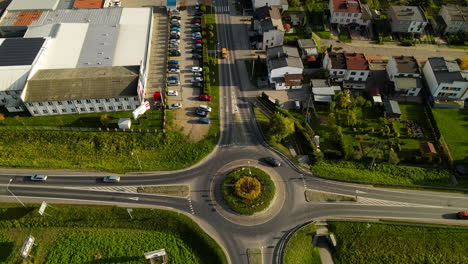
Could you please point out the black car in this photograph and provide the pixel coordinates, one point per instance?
(272, 161)
(173, 66)
(175, 17)
(196, 29)
(197, 85)
(197, 51)
(175, 24)
(175, 37)
(174, 53)
(199, 13)
(201, 112)
(197, 56)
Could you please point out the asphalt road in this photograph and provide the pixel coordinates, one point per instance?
(240, 140)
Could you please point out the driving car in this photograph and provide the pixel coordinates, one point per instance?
(462, 215)
(173, 70)
(196, 79)
(205, 107)
(172, 78)
(173, 62)
(38, 177)
(204, 97)
(175, 106)
(201, 112)
(111, 179)
(172, 93)
(197, 69)
(272, 161)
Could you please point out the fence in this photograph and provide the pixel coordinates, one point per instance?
(79, 129)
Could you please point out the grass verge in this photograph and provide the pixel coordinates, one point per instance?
(318, 196)
(255, 255)
(398, 243)
(171, 190)
(103, 234)
(299, 248)
(247, 206)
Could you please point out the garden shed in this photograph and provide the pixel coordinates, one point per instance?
(428, 149)
(125, 123)
(392, 110)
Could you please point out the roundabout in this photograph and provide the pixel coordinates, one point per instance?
(248, 192)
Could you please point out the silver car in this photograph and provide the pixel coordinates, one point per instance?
(38, 177)
(111, 179)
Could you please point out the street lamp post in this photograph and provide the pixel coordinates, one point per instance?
(8, 185)
(139, 164)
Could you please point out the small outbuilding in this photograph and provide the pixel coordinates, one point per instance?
(392, 110)
(428, 149)
(125, 123)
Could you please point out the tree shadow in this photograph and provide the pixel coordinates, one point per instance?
(15, 213)
(5, 250)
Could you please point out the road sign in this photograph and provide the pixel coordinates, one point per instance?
(42, 208)
(129, 211)
(27, 246)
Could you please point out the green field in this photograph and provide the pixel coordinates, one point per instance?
(100, 150)
(79, 234)
(453, 125)
(299, 248)
(397, 243)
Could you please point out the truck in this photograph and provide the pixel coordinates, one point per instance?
(224, 53)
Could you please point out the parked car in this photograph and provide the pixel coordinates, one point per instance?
(197, 6)
(197, 85)
(462, 215)
(175, 17)
(173, 77)
(196, 30)
(204, 97)
(197, 56)
(177, 29)
(175, 49)
(174, 45)
(200, 112)
(197, 17)
(198, 41)
(173, 83)
(38, 177)
(175, 20)
(196, 37)
(175, 106)
(175, 11)
(173, 66)
(174, 41)
(195, 21)
(175, 33)
(197, 51)
(205, 107)
(197, 69)
(172, 93)
(197, 74)
(272, 161)
(174, 37)
(196, 79)
(174, 53)
(199, 13)
(173, 70)
(204, 120)
(111, 179)
(198, 45)
(195, 25)
(173, 62)
(175, 24)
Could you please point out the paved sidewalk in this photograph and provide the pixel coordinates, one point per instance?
(323, 245)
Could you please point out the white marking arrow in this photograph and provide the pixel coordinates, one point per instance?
(358, 191)
(134, 198)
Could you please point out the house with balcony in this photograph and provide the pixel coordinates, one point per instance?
(445, 80)
(404, 72)
(268, 26)
(407, 19)
(455, 19)
(349, 13)
(285, 67)
(352, 69)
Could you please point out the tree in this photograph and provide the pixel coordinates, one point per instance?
(280, 127)
(393, 157)
(342, 100)
(359, 101)
(464, 63)
(18, 118)
(105, 120)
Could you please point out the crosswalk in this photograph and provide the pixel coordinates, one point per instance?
(379, 202)
(222, 9)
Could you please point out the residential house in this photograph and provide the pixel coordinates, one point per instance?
(455, 18)
(308, 49)
(322, 91)
(350, 68)
(267, 23)
(445, 79)
(284, 67)
(391, 110)
(349, 12)
(404, 72)
(407, 19)
(283, 4)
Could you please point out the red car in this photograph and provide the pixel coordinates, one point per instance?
(198, 41)
(157, 96)
(462, 215)
(204, 97)
(196, 21)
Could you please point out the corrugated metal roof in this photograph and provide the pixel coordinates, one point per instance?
(83, 83)
(105, 16)
(88, 3)
(99, 46)
(18, 5)
(19, 51)
(65, 4)
(13, 77)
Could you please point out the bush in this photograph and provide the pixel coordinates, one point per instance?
(248, 188)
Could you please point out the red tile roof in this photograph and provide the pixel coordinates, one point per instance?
(88, 3)
(351, 6)
(27, 17)
(356, 61)
(428, 148)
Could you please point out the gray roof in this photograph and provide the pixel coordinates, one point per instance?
(406, 64)
(262, 13)
(21, 5)
(93, 52)
(267, 25)
(19, 51)
(446, 70)
(103, 16)
(306, 43)
(283, 56)
(457, 12)
(82, 83)
(285, 62)
(409, 13)
(281, 51)
(392, 107)
(65, 4)
(319, 83)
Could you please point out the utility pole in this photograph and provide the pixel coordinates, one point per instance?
(8, 185)
(253, 68)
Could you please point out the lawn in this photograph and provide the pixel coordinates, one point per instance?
(391, 243)
(98, 234)
(117, 152)
(299, 248)
(453, 125)
(150, 120)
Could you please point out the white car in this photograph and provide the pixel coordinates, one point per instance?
(197, 79)
(205, 107)
(38, 177)
(175, 106)
(173, 70)
(197, 69)
(196, 34)
(174, 41)
(175, 11)
(175, 33)
(174, 45)
(172, 93)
